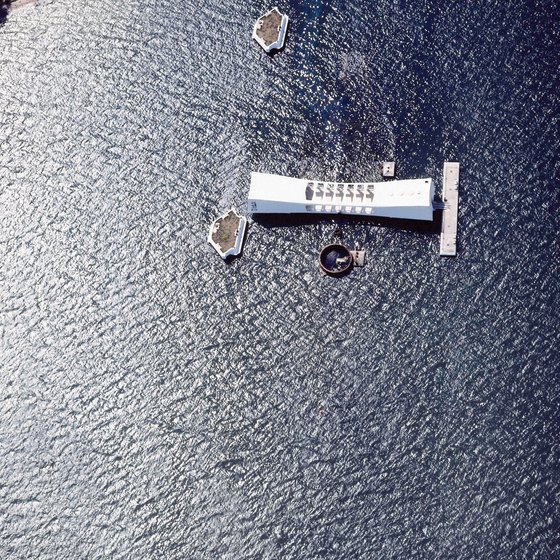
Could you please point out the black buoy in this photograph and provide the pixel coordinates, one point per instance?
(336, 259)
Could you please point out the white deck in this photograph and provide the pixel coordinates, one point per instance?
(448, 239)
(275, 194)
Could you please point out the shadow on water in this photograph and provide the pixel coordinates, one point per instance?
(274, 52)
(338, 220)
(4, 9)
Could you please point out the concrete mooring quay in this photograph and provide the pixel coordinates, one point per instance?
(448, 239)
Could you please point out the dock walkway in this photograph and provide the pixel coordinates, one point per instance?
(448, 239)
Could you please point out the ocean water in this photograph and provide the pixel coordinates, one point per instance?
(157, 402)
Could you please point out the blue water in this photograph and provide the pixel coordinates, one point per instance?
(159, 403)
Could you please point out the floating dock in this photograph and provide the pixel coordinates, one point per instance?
(448, 239)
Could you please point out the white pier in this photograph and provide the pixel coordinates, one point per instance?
(448, 239)
(409, 199)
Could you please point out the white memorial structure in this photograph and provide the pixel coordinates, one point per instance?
(409, 199)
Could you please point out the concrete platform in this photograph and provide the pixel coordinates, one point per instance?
(359, 257)
(388, 169)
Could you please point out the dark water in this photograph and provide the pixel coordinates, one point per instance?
(158, 403)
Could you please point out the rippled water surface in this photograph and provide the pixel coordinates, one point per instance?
(159, 403)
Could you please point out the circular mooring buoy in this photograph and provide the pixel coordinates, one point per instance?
(336, 259)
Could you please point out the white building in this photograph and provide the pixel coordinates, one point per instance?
(409, 199)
